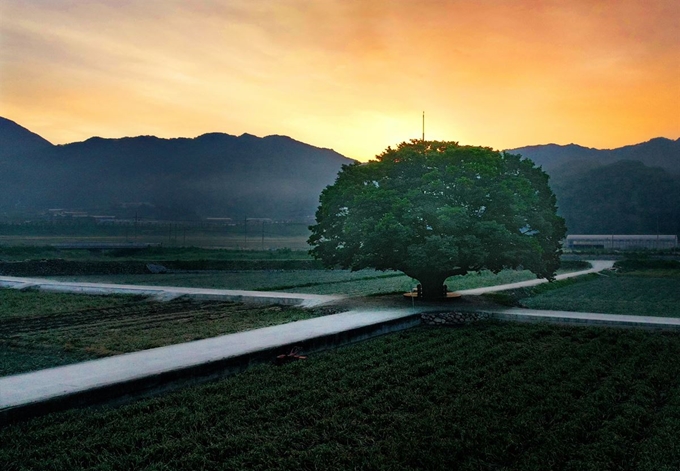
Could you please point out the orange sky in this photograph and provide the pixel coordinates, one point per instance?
(352, 75)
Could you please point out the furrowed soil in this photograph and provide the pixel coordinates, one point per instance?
(48, 329)
(482, 396)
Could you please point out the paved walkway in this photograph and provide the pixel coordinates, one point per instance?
(166, 293)
(597, 266)
(589, 318)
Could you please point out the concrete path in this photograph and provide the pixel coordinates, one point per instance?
(166, 293)
(583, 318)
(597, 266)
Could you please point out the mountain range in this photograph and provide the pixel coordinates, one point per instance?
(563, 161)
(215, 174)
(632, 189)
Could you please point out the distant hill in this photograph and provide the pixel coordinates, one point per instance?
(625, 197)
(15, 140)
(571, 159)
(630, 190)
(212, 175)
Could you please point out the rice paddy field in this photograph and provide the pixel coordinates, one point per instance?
(485, 396)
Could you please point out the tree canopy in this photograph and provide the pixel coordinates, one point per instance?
(435, 209)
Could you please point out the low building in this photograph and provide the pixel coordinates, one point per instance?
(620, 242)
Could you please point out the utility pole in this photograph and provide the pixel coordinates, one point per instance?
(423, 126)
(245, 232)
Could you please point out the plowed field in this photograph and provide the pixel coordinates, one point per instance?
(50, 338)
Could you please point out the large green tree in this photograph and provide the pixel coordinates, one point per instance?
(437, 209)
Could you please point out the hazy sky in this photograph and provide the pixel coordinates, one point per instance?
(350, 75)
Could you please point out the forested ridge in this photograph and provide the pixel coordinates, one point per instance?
(630, 190)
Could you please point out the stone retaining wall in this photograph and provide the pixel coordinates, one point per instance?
(453, 317)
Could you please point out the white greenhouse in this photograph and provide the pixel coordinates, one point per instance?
(620, 242)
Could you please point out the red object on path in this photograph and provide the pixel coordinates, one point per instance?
(294, 355)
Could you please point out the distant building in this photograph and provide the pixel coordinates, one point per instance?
(621, 242)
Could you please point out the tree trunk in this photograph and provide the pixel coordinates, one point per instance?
(432, 286)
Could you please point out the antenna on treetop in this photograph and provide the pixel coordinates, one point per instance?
(423, 126)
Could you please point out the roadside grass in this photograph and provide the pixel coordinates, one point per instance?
(483, 396)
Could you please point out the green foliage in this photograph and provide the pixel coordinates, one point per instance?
(485, 396)
(574, 265)
(437, 209)
(622, 198)
(646, 264)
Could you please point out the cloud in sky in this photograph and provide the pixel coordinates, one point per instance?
(348, 74)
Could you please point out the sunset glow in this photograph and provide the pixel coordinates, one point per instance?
(350, 75)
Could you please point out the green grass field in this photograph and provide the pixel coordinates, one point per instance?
(650, 292)
(484, 396)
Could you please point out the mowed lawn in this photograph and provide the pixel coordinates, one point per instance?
(483, 396)
(639, 293)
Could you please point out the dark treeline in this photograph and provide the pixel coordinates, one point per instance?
(625, 197)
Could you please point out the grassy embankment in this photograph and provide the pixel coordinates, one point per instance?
(484, 396)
